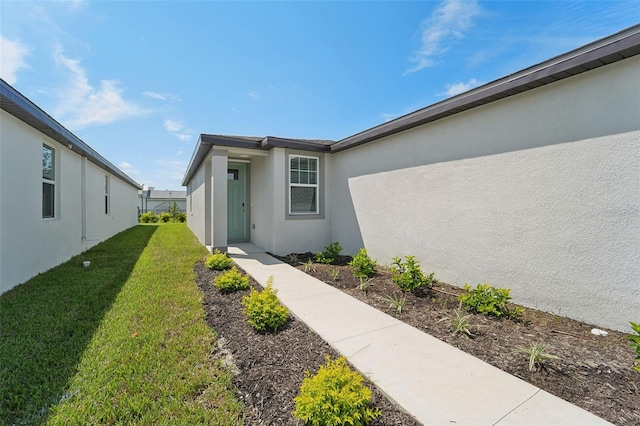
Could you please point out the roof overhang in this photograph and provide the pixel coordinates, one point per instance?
(206, 142)
(611, 49)
(23, 109)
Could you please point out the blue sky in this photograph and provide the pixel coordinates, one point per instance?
(140, 80)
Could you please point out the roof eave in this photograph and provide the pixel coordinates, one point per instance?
(611, 49)
(16, 104)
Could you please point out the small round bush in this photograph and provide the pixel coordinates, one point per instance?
(218, 261)
(363, 266)
(334, 396)
(149, 217)
(264, 309)
(165, 217)
(231, 280)
(408, 276)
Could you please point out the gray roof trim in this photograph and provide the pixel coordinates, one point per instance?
(23, 109)
(205, 142)
(616, 47)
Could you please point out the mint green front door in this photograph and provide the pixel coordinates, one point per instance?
(237, 203)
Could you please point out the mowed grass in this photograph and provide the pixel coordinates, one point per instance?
(121, 342)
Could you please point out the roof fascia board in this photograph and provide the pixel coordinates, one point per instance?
(26, 111)
(273, 142)
(616, 47)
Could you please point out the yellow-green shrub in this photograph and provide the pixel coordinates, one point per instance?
(334, 396)
(218, 261)
(264, 309)
(231, 280)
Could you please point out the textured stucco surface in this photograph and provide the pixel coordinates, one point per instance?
(559, 225)
(30, 244)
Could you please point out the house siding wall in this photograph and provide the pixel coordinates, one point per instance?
(30, 244)
(196, 217)
(537, 192)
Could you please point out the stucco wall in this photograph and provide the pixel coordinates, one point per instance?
(537, 192)
(196, 205)
(30, 244)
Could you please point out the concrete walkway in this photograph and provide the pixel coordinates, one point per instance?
(431, 380)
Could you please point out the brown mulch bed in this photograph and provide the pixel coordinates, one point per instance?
(593, 372)
(269, 368)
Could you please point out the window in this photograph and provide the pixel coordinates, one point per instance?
(48, 181)
(106, 194)
(303, 185)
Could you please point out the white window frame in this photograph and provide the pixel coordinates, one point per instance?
(48, 181)
(304, 185)
(107, 196)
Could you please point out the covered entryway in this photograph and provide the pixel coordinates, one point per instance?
(237, 203)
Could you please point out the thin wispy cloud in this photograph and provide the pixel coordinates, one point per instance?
(13, 59)
(82, 105)
(457, 88)
(125, 165)
(446, 25)
(178, 130)
(167, 174)
(254, 95)
(162, 96)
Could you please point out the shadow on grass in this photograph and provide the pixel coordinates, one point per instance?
(47, 322)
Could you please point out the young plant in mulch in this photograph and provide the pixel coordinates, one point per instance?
(537, 353)
(635, 343)
(363, 266)
(336, 395)
(330, 253)
(218, 261)
(309, 266)
(488, 300)
(397, 302)
(231, 280)
(364, 283)
(460, 321)
(408, 276)
(264, 310)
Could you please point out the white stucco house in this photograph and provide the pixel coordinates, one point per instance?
(160, 200)
(58, 197)
(530, 182)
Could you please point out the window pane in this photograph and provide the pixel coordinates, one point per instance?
(303, 200)
(295, 176)
(48, 196)
(295, 163)
(304, 177)
(48, 162)
(313, 178)
(304, 164)
(313, 164)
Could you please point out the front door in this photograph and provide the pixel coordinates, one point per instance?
(237, 203)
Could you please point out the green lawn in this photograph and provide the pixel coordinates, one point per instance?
(121, 342)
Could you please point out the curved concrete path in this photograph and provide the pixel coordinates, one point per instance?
(434, 382)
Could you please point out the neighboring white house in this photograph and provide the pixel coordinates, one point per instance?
(158, 201)
(58, 196)
(530, 182)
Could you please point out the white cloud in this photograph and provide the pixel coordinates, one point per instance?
(457, 88)
(83, 105)
(447, 24)
(13, 53)
(178, 130)
(162, 96)
(254, 95)
(168, 174)
(124, 165)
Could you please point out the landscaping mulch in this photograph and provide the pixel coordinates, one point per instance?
(269, 368)
(593, 372)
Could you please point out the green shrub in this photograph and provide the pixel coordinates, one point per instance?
(165, 217)
(181, 217)
(264, 309)
(488, 300)
(330, 253)
(231, 280)
(334, 396)
(149, 217)
(408, 276)
(363, 266)
(635, 343)
(218, 261)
